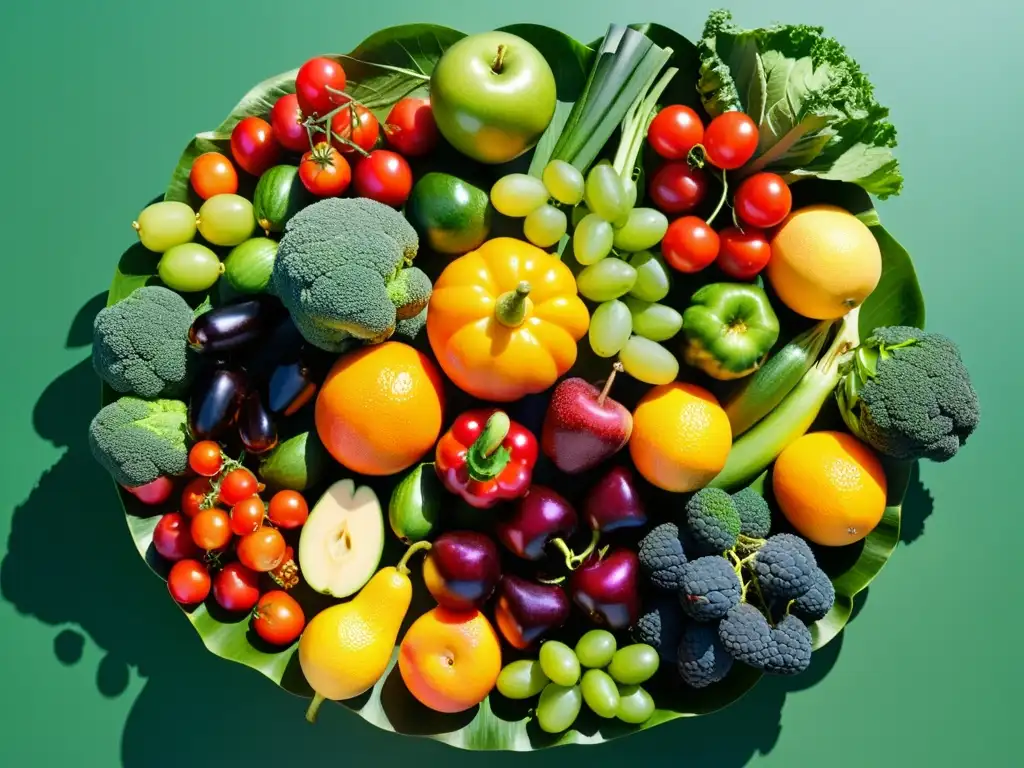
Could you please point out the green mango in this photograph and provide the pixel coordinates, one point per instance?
(451, 215)
(415, 504)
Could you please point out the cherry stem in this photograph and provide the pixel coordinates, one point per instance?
(562, 547)
(721, 200)
(577, 560)
(314, 707)
(403, 564)
(499, 60)
(616, 369)
(557, 580)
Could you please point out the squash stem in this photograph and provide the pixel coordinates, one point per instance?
(314, 708)
(510, 309)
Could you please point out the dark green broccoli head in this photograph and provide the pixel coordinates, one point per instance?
(712, 520)
(140, 344)
(660, 626)
(342, 271)
(703, 659)
(755, 516)
(907, 394)
(138, 440)
(662, 557)
(408, 330)
(784, 649)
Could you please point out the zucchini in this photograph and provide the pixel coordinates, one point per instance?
(763, 390)
(279, 195)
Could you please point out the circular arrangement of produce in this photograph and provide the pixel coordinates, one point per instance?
(517, 392)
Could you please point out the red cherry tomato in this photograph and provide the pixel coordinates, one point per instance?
(288, 509)
(211, 529)
(236, 588)
(730, 140)
(205, 458)
(263, 550)
(253, 145)
(674, 131)
(237, 485)
(411, 128)
(188, 582)
(193, 495)
(689, 245)
(363, 131)
(677, 188)
(383, 176)
(172, 538)
(247, 516)
(286, 122)
(314, 83)
(763, 200)
(742, 254)
(278, 619)
(213, 174)
(324, 172)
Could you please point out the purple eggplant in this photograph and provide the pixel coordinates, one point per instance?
(291, 386)
(234, 326)
(216, 398)
(256, 426)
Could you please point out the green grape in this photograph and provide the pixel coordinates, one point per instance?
(606, 280)
(226, 220)
(518, 194)
(653, 278)
(579, 213)
(643, 229)
(610, 328)
(522, 679)
(189, 267)
(559, 663)
(634, 664)
(657, 322)
(635, 705)
(605, 194)
(166, 224)
(596, 648)
(545, 226)
(648, 361)
(564, 182)
(558, 707)
(629, 186)
(592, 240)
(600, 693)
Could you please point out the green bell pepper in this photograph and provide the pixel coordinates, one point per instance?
(729, 328)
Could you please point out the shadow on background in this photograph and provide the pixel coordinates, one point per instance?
(71, 564)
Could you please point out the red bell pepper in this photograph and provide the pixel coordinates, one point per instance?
(486, 458)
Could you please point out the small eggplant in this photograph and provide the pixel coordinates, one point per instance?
(256, 426)
(291, 386)
(282, 344)
(233, 326)
(216, 398)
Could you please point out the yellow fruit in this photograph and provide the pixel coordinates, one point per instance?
(681, 437)
(824, 262)
(831, 487)
(450, 660)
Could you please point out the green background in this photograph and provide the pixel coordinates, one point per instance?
(98, 666)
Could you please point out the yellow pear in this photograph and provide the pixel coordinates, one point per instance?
(345, 649)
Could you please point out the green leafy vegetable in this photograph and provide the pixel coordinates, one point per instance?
(815, 108)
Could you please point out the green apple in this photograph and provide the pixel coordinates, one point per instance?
(492, 95)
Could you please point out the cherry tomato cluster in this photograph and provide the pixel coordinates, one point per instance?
(222, 514)
(760, 202)
(350, 156)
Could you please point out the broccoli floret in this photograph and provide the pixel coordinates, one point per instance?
(784, 649)
(755, 516)
(343, 270)
(138, 440)
(660, 626)
(140, 344)
(408, 330)
(709, 588)
(712, 520)
(662, 557)
(816, 602)
(703, 659)
(785, 567)
(908, 395)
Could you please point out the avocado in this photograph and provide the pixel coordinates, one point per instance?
(451, 215)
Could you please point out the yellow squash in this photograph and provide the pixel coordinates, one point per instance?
(504, 320)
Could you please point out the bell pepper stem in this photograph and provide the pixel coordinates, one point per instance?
(616, 369)
(314, 707)
(487, 457)
(495, 431)
(403, 564)
(510, 309)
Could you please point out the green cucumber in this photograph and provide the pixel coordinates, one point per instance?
(248, 267)
(280, 194)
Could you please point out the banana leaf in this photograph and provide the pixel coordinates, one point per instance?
(390, 65)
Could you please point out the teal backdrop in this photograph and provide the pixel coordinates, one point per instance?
(98, 666)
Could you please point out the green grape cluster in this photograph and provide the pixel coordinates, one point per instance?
(538, 201)
(597, 673)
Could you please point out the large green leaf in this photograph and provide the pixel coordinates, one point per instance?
(386, 67)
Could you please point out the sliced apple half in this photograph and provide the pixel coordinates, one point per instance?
(342, 540)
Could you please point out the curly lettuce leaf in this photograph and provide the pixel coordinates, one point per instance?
(815, 108)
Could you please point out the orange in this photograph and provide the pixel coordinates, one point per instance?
(380, 409)
(450, 660)
(831, 487)
(825, 262)
(681, 437)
